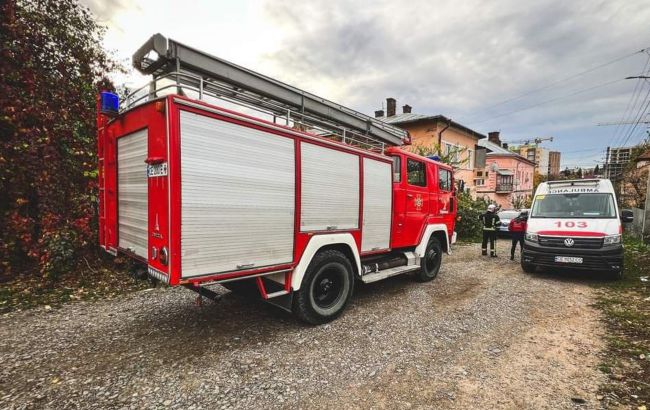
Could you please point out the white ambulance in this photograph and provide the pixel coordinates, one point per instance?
(574, 224)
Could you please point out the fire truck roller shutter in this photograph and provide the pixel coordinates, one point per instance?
(132, 193)
(377, 200)
(237, 194)
(329, 189)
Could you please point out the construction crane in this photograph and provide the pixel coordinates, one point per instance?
(538, 140)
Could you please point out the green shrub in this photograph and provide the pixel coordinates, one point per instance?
(468, 225)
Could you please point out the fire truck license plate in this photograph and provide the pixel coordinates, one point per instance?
(568, 259)
(157, 170)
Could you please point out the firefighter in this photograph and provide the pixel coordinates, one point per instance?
(517, 228)
(490, 221)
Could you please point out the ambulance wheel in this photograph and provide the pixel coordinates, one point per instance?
(527, 267)
(430, 262)
(326, 288)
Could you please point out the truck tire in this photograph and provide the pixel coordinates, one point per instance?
(430, 263)
(326, 288)
(527, 267)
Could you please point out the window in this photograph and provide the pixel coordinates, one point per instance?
(479, 182)
(598, 205)
(470, 159)
(397, 169)
(444, 179)
(416, 172)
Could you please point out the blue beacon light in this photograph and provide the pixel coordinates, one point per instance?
(109, 104)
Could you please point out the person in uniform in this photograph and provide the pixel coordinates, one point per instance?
(517, 228)
(490, 221)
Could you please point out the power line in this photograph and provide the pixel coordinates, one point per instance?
(554, 83)
(639, 117)
(549, 101)
(630, 106)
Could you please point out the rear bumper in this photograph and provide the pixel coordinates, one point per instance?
(604, 259)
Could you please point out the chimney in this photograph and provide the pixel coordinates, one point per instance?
(391, 106)
(379, 113)
(406, 109)
(505, 145)
(493, 137)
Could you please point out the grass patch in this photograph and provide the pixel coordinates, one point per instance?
(100, 279)
(626, 305)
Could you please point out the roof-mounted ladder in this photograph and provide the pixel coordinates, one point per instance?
(194, 73)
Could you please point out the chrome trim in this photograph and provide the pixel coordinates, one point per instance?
(156, 274)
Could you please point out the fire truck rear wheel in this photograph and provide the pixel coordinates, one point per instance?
(326, 288)
(430, 262)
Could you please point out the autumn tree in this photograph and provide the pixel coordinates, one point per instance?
(51, 66)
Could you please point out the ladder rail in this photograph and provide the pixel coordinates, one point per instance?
(255, 88)
(185, 84)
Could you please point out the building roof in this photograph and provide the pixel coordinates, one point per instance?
(495, 149)
(405, 118)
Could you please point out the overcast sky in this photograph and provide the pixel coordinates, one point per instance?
(460, 58)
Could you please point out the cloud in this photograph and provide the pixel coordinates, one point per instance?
(106, 10)
(460, 58)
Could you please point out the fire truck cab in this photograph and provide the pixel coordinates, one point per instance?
(214, 174)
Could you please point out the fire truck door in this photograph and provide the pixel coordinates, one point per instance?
(417, 201)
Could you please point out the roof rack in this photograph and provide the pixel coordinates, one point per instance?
(180, 69)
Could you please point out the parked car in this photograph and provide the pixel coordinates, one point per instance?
(506, 216)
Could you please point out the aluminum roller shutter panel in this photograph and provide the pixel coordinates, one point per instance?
(329, 189)
(237, 193)
(132, 193)
(377, 205)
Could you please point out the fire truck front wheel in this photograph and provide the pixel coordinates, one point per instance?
(431, 261)
(326, 288)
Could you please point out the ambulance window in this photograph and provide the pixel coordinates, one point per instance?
(444, 179)
(397, 169)
(416, 173)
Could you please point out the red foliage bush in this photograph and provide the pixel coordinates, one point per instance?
(51, 66)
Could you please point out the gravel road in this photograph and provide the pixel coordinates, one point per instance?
(483, 334)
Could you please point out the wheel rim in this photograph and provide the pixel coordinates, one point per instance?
(431, 260)
(327, 287)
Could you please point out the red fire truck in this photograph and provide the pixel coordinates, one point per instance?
(214, 173)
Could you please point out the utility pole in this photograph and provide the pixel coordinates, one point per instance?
(607, 164)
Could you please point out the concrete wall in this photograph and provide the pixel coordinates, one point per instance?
(640, 227)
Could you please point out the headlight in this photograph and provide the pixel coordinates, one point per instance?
(532, 237)
(612, 240)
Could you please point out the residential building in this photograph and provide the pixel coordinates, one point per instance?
(545, 163)
(454, 139)
(509, 175)
(554, 158)
(617, 159)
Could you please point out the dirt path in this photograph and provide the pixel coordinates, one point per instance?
(483, 334)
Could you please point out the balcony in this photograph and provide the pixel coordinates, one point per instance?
(504, 188)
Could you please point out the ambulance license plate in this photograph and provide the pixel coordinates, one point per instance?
(157, 170)
(568, 259)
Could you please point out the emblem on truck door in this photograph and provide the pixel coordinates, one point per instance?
(418, 202)
(568, 242)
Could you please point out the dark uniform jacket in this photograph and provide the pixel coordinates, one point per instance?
(490, 221)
